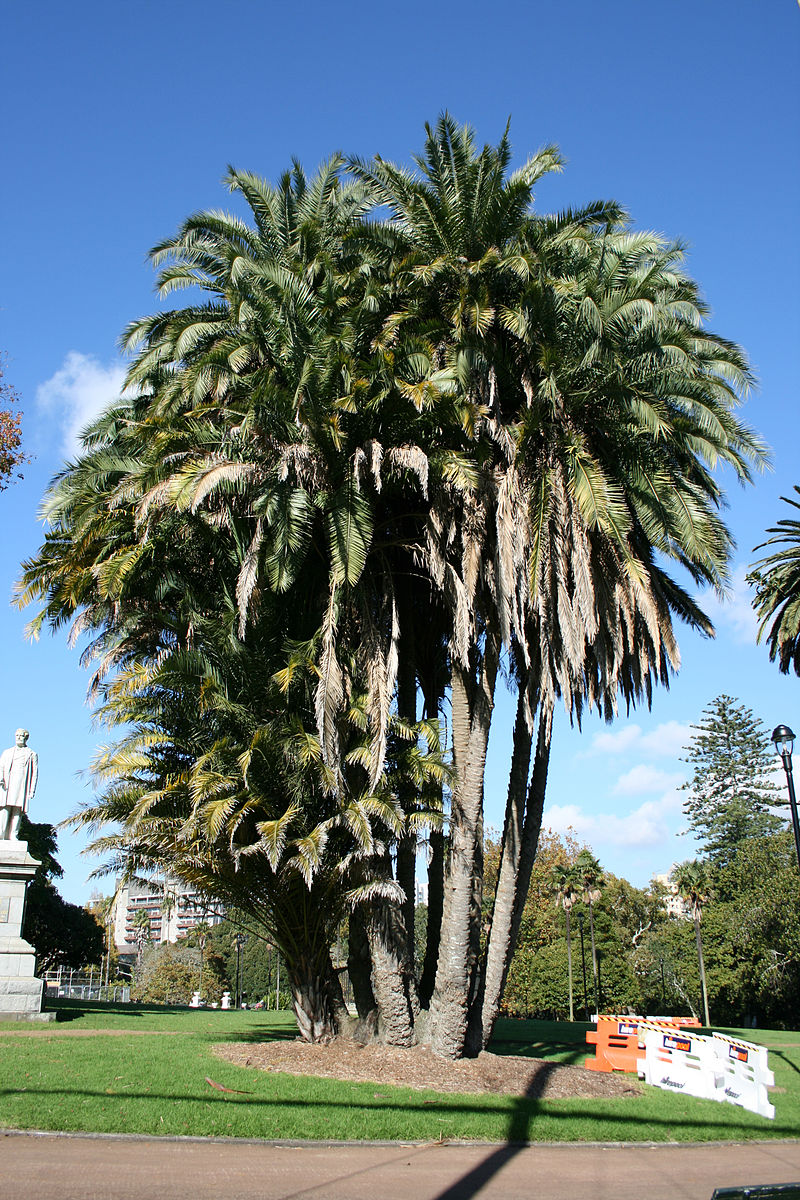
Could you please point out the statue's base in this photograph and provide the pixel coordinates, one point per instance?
(20, 990)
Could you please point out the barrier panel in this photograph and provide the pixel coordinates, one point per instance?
(746, 1074)
(617, 1043)
(713, 1068)
(678, 1061)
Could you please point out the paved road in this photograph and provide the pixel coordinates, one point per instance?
(36, 1166)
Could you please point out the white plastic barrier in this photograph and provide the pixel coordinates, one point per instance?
(713, 1068)
(746, 1074)
(680, 1062)
(754, 1054)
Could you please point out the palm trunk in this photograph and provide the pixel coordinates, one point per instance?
(436, 865)
(407, 845)
(460, 941)
(359, 966)
(496, 957)
(594, 962)
(569, 964)
(393, 986)
(311, 997)
(506, 919)
(533, 823)
(435, 902)
(701, 963)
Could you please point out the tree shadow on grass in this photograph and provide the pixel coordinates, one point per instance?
(520, 1121)
(785, 1059)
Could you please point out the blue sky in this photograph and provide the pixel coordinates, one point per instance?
(121, 119)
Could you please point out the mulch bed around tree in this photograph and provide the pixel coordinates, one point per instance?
(505, 1074)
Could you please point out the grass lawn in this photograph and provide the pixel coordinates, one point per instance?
(150, 1078)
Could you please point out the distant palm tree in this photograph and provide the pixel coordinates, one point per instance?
(141, 924)
(566, 895)
(201, 932)
(691, 880)
(591, 881)
(777, 598)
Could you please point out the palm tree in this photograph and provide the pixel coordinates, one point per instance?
(566, 893)
(777, 582)
(691, 880)
(591, 882)
(595, 404)
(143, 932)
(460, 431)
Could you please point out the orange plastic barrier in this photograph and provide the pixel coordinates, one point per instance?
(617, 1043)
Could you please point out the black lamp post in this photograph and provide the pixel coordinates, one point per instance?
(240, 939)
(784, 741)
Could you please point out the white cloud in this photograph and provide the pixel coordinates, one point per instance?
(735, 612)
(644, 779)
(80, 389)
(668, 739)
(616, 743)
(651, 824)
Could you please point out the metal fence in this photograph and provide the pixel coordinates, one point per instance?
(85, 985)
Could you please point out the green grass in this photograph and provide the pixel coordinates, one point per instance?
(153, 1082)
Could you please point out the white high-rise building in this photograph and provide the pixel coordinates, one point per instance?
(173, 909)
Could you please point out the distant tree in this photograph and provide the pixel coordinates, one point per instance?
(756, 927)
(731, 789)
(691, 880)
(258, 958)
(566, 893)
(590, 880)
(169, 975)
(143, 934)
(777, 582)
(11, 453)
(666, 966)
(62, 934)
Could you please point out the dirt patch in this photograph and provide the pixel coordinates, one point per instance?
(498, 1074)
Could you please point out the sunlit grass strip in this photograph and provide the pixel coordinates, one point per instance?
(152, 1084)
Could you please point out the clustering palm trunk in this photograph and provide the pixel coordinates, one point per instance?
(459, 947)
(702, 967)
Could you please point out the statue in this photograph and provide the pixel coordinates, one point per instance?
(19, 772)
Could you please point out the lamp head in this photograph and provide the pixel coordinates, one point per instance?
(783, 739)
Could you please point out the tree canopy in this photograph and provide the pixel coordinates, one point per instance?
(777, 598)
(413, 435)
(12, 456)
(732, 790)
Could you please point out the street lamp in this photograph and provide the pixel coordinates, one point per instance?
(783, 739)
(240, 939)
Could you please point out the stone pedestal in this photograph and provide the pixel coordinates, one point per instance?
(20, 990)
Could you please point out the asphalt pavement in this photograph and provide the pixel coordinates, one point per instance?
(37, 1166)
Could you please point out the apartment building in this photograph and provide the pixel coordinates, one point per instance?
(172, 908)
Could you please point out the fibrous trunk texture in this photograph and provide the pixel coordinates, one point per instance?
(435, 901)
(392, 982)
(472, 704)
(359, 965)
(699, 941)
(312, 999)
